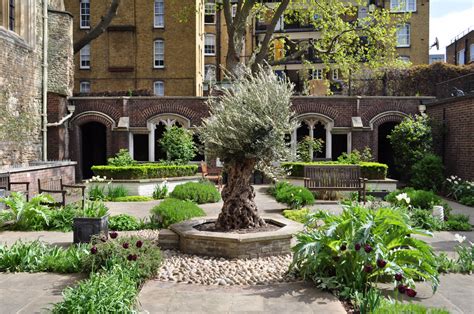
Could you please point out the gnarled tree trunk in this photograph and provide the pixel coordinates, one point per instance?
(239, 210)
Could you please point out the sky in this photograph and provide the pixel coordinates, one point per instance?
(448, 18)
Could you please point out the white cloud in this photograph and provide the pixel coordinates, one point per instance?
(448, 26)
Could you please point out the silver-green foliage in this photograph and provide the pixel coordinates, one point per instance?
(250, 120)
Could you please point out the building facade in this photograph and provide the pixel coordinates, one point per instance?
(153, 45)
(461, 49)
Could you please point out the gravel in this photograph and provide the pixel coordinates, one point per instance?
(193, 269)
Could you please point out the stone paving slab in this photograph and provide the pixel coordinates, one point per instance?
(162, 297)
(32, 293)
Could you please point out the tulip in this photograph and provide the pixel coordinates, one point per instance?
(139, 244)
(113, 234)
(368, 268)
(367, 248)
(402, 289)
(398, 277)
(381, 263)
(94, 250)
(357, 246)
(125, 245)
(411, 293)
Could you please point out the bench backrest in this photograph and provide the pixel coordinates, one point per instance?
(4, 181)
(52, 184)
(332, 176)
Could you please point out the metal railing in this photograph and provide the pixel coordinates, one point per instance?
(458, 87)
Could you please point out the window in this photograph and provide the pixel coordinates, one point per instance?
(210, 12)
(317, 74)
(471, 52)
(11, 15)
(210, 45)
(85, 16)
(85, 87)
(403, 35)
(159, 88)
(403, 5)
(85, 57)
(335, 74)
(404, 58)
(159, 54)
(159, 14)
(210, 73)
(460, 58)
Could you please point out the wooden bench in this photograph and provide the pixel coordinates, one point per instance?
(335, 178)
(6, 184)
(55, 185)
(212, 174)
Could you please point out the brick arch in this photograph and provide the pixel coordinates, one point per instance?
(378, 120)
(76, 135)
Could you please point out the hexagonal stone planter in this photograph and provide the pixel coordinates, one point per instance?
(236, 245)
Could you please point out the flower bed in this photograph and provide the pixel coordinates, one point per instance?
(145, 171)
(369, 170)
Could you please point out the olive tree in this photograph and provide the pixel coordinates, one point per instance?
(246, 130)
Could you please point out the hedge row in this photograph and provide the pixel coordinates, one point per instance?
(145, 171)
(369, 170)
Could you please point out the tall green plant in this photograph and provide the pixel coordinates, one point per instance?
(306, 145)
(178, 144)
(122, 158)
(30, 215)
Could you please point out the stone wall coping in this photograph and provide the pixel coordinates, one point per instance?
(186, 230)
(293, 97)
(172, 179)
(48, 165)
(449, 100)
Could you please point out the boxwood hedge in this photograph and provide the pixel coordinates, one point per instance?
(369, 170)
(145, 171)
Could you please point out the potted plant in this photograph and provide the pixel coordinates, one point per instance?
(93, 221)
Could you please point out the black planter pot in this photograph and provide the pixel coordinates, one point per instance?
(85, 228)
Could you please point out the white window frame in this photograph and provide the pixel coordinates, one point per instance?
(404, 58)
(335, 74)
(206, 71)
(159, 54)
(471, 53)
(317, 74)
(85, 57)
(210, 10)
(407, 28)
(85, 14)
(159, 88)
(402, 6)
(209, 45)
(159, 16)
(461, 57)
(85, 87)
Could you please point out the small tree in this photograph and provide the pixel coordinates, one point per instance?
(121, 159)
(246, 130)
(178, 145)
(306, 145)
(411, 141)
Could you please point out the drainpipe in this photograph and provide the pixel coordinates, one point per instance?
(45, 80)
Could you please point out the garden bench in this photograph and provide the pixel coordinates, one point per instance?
(55, 186)
(6, 184)
(335, 178)
(213, 174)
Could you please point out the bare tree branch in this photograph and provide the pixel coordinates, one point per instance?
(100, 28)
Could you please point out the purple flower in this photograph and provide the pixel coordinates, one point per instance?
(130, 257)
(357, 246)
(135, 256)
(125, 245)
(368, 268)
(113, 234)
(401, 289)
(381, 263)
(411, 293)
(367, 248)
(398, 277)
(139, 244)
(94, 250)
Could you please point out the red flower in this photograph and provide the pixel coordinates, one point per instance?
(93, 250)
(402, 289)
(398, 277)
(367, 248)
(368, 268)
(135, 257)
(113, 234)
(139, 244)
(130, 257)
(125, 245)
(357, 246)
(381, 263)
(411, 293)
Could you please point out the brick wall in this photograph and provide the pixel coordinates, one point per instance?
(453, 128)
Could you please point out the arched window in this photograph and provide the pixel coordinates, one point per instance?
(210, 45)
(159, 54)
(159, 88)
(159, 21)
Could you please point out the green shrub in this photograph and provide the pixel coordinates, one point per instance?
(133, 198)
(172, 210)
(96, 192)
(369, 170)
(457, 222)
(411, 141)
(424, 219)
(145, 171)
(427, 173)
(350, 252)
(307, 144)
(200, 193)
(467, 200)
(31, 215)
(461, 190)
(407, 308)
(160, 191)
(355, 157)
(178, 145)
(292, 195)
(298, 215)
(418, 198)
(124, 222)
(94, 209)
(122, 158)
(116, 191)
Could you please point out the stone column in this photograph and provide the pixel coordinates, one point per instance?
(311, 124)
(130, 144)
(151, 142)
(293, 143)
(349, 142)
(328, 128)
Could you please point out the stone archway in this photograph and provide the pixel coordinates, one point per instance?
(314, 125)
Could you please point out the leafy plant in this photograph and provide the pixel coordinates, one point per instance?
(356, 157)
(133, 198)
(172, 210)
(457, 222)
(418, 198)
(427, 173)
(116, 191)
(355, 250)
(306, 145)
(123, 222)
(97, 193)
(93, 209)
(293, 196)
(298, 215)
(122, 158)
(461, 190)
(465, 253)
(408, 308)
(161, 190)
(146, 171)
(197, 192)
(30, 215)
(178, 145)
(424, 219)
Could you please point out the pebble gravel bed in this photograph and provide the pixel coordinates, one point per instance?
(193, 269)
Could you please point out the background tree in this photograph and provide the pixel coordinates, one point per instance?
(246, 130)
(178, 144)
(346, 40)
